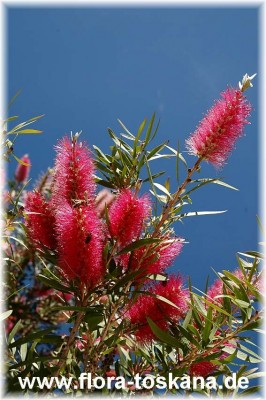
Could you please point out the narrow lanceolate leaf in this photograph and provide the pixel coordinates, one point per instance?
(5, 315)
(156, 150)
(19, 160)
(14, 98)
(207, 328)
(125, 128)
(255, 254)
(198, 213)
(31, 337)
(138, 243)
(54, 283)
(189, 336)
(25, 131)
(163, 189)
(163, 335)
(149, 129)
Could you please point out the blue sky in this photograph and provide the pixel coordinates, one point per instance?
(85, 67)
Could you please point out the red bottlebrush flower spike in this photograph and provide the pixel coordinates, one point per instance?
(127, 215)
(23, 171)
(203, 368)
(216, 134)
(162, 257)
(80, 244)
(40, 221)
(73, 173)
(160, 312)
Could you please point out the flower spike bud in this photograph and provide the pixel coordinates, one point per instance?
(23, 170)
(246, 82)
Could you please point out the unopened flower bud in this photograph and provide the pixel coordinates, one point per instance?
(23, 170)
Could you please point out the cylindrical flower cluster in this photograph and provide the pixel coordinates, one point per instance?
(40, 221)
(216, 134)
(127, 215)
(69, 223)
(162, 313)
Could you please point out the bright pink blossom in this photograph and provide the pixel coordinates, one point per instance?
(127, 215)
(80, 243)
(216, 134)
(22, 171)
(40, 221)
(160, 312)
(74, 170)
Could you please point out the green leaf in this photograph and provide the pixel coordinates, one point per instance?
(255, 254)
(19, 160)
(23, 351)
(25, 131)
(163, 189)
(125, 129)
(199, 213)
(189, 336)
(187, 319)
(53, 283)
(156, 150)
(14, 98)
(157, 277)
(207, 328)
(93, 321)
(163, 335)
(69, 308)
(5, 314)
(149, 129)
(15, 329)
(252, 254)
(138, 243)
(31, 337)
(123, 281)
(11, 118)
(140, 130)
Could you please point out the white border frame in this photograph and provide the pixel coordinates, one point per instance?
(140, 3)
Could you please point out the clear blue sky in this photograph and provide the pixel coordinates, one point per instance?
(85, 67)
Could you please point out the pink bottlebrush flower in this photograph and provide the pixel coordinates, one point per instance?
(80, 243)
(162, 257)
(73, 180)
(173, 291)
(22, 171)
(202, 368)
(157, 310)
(127, 215)
(216, 134)
(40, 221)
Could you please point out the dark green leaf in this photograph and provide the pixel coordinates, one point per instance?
(138, 243)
